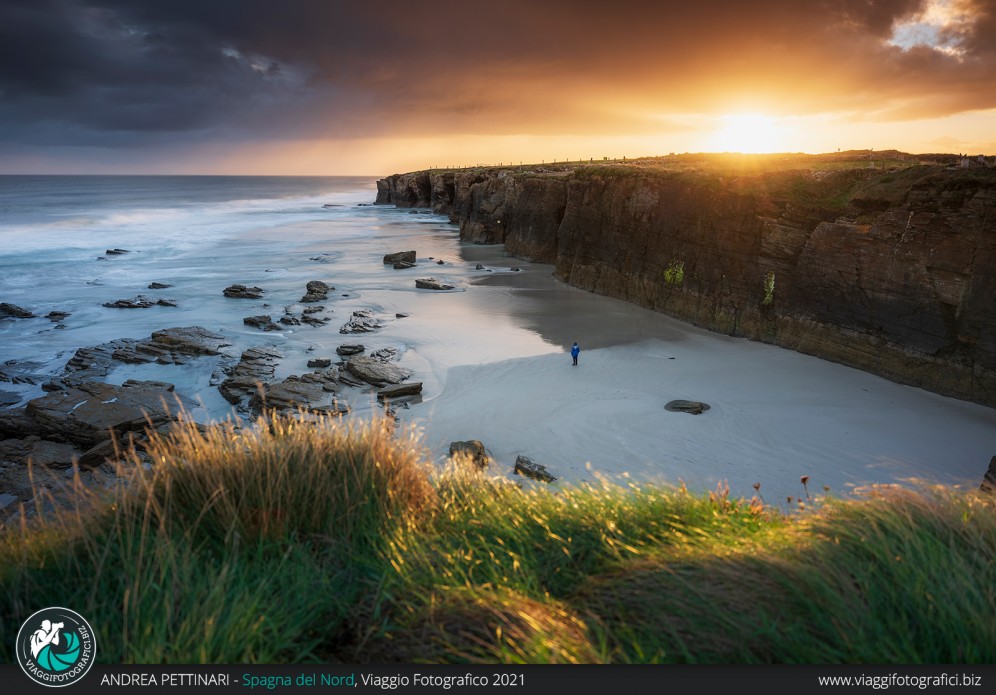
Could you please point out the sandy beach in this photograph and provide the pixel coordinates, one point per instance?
(775, 415)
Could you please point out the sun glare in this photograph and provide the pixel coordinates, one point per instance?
(750, 133)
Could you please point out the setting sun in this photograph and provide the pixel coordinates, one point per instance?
(750, 133)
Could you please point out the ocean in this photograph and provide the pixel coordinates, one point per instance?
(492, 354)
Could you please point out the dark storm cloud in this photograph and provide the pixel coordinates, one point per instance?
(111, 71)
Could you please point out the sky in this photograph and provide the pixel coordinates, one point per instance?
(326, 87)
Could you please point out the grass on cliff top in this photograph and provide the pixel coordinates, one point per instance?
(324, 542)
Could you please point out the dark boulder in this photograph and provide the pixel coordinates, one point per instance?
(472, 450)
(392, 392)
(399, 257)
(527, 467)
(989, 480)
(432, 284)
(243, 292)
(15, 311)
(316, 291)
(263, 322)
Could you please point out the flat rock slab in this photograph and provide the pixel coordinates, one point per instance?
(243, 292)
(315, 393)
(52, 454)
(168, 346)
(257, 365)
(377, 372)
(139, 302)
(9, 398)
(87, 413)
(350, 349)
(693, 407)
(431, 284)
(391, 392)
(191, 340)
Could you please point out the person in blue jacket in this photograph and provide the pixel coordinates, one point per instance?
(575, 351)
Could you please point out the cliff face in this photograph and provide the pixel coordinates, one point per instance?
(891, 272)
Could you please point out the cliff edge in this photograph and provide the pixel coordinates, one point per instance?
(886, 266)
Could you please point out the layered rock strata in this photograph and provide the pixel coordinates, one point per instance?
(886, 271)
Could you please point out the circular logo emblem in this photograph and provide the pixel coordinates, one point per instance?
(56, 647)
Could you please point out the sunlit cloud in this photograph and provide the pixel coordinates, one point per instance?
(942, 25)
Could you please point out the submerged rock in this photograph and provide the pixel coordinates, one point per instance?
(693, 407)
(158, 286)
(116, 252)
(320, 362)
(263, 322)
(15, 311)
(403, 265)
(139, 302)
(315, 320)
(527, 467)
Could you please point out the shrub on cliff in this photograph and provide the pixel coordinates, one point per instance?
(322, 541)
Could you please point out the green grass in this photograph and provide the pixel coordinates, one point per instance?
(296, 542)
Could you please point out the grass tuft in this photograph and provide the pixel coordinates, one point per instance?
(312, 539)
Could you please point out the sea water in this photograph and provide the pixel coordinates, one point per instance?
(201, 234)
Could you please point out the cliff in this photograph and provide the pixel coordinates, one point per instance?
(890, 271)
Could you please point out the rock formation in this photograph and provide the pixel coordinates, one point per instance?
(243, 292)
(432, 284)
(473, 450)
(525, 466)
(15, 311)
(256, 366)
(360, 322)
(316, 291)
(399, 257)
(886, 271)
